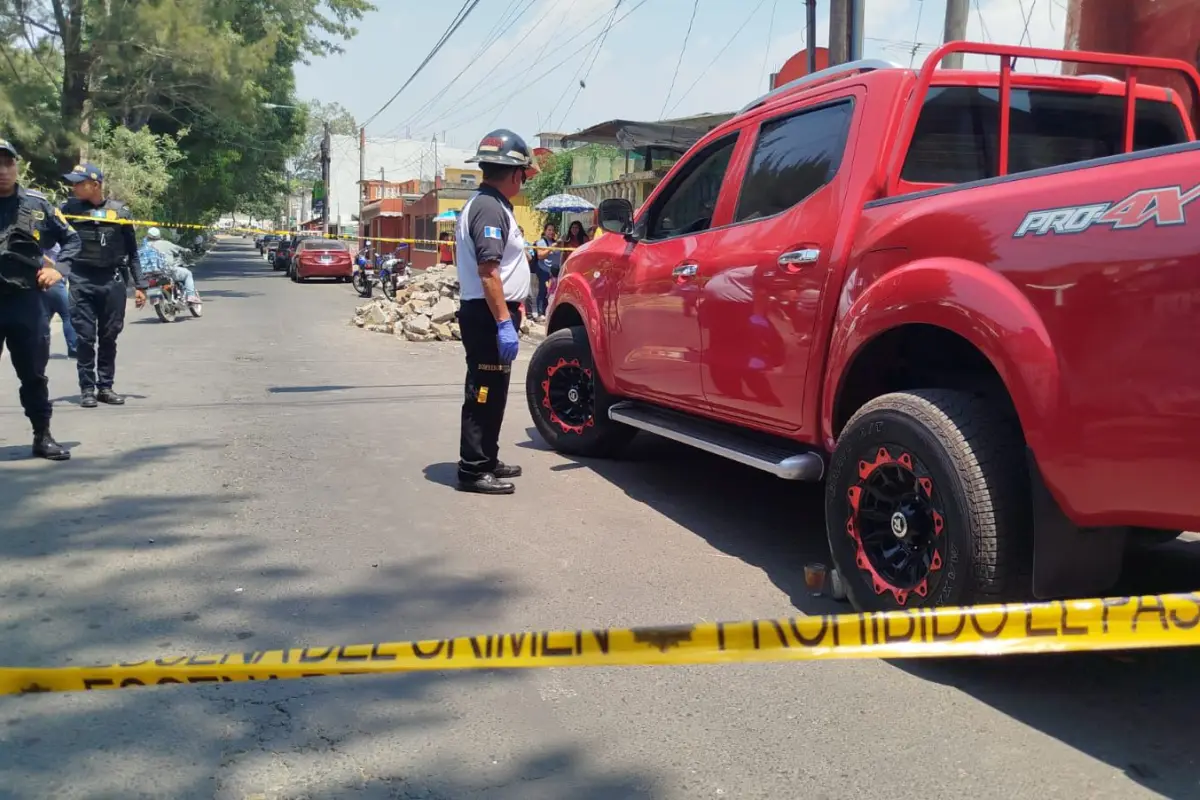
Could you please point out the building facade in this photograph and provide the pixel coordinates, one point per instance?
(1164, 28)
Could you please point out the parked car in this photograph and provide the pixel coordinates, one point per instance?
(964, 300)
(283, 254)
(321, 258)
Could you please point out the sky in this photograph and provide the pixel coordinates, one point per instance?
(521, 61)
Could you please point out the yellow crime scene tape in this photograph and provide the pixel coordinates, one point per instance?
(1119, 623)
(147, 223)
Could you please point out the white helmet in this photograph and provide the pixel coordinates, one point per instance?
(154, 233)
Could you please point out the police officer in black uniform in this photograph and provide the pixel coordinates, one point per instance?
(493, 277)
(108, 260)
(29, 226)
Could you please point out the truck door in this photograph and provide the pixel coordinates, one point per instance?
(655, 336)
(764, 277)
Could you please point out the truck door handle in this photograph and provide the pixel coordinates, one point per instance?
(685, 271)
(793, 260)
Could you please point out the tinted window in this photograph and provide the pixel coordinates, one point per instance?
(958, 134)
(688, 204)
(320, 244)
(793, 158)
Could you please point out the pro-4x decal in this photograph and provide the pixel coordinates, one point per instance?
(1163, 206)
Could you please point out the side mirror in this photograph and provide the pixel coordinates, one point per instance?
(616, 215)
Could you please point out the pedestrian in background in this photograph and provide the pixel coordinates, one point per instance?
(58, 302)
(493, 276)
(547, 267)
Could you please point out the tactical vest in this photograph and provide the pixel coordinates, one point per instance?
(101, 235)
(20, 253)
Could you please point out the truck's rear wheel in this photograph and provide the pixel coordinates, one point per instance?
(567, 401)
(927, 503)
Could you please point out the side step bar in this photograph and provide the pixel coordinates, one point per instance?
(783, 460)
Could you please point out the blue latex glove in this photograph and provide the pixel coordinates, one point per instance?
(506, 333)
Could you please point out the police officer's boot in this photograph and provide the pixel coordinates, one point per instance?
(109, 397)
(487, 483)
(45, 447)
(87, 398)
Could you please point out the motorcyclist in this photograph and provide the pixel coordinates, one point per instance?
(171, 259)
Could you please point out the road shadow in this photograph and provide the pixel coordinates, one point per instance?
(229, 293)
(120, 576)
(24, 452)
(1132, 711)
(74, 399)
(346, 387)
(443, 474)
(775, 525)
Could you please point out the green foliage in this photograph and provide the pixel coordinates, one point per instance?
(306, 167)
(555, 176)
(169, 92)
(136, 164)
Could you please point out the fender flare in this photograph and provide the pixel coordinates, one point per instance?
(967, 299)
(575, 292)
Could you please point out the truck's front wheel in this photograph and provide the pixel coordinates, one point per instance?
(927, 504)
(567, 400)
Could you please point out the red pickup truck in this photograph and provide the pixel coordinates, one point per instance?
(965, 300)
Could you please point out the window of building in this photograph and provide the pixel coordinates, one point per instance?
(958, 134)
(794, 157)
(426, 229)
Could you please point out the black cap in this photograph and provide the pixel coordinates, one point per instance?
(504, 147)
(86, 171)
(6, 147)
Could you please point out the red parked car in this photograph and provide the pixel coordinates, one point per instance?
(965, 301)
(321, 258)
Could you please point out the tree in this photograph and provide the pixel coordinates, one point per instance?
(307, 162)
(73, 67)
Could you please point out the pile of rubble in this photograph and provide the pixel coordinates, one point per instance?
(423, 311)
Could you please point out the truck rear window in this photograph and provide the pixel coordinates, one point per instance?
(958, 134)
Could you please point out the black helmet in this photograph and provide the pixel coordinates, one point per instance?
(504, 147)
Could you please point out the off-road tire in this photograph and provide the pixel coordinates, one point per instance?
(973, 454)
(568, 348)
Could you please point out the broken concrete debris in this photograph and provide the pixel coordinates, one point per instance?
(424, 311)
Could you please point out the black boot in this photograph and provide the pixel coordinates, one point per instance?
(87, 398)
(45, 447)
(109, 397)
(487, 483)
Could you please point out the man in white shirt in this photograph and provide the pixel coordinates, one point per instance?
(493, 276)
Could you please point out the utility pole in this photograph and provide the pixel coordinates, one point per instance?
(325, 155)
(839, 32)
(845, 31)
(955, 30)
(362, 179)
(435, 175)
(810, 36)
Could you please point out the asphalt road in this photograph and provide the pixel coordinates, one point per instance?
(280, 477)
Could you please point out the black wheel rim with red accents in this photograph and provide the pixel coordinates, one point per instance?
(568, 396)
(896, 523)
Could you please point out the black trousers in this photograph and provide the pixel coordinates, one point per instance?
(23, 328)
(486, 392)
(98, 316)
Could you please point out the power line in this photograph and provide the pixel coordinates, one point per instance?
(588, 71)
(767, 47)
(916, 33)
(523, 82)
(528, 84)
(489, 42)
(720, 52)
(457, 104)
(687, 35)
(459, 19)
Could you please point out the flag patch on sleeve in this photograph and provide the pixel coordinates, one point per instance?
(491, 233)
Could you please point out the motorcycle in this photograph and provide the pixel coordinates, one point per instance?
(166, 295)
(393, 274)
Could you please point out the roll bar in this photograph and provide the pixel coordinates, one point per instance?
(1007, 54)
